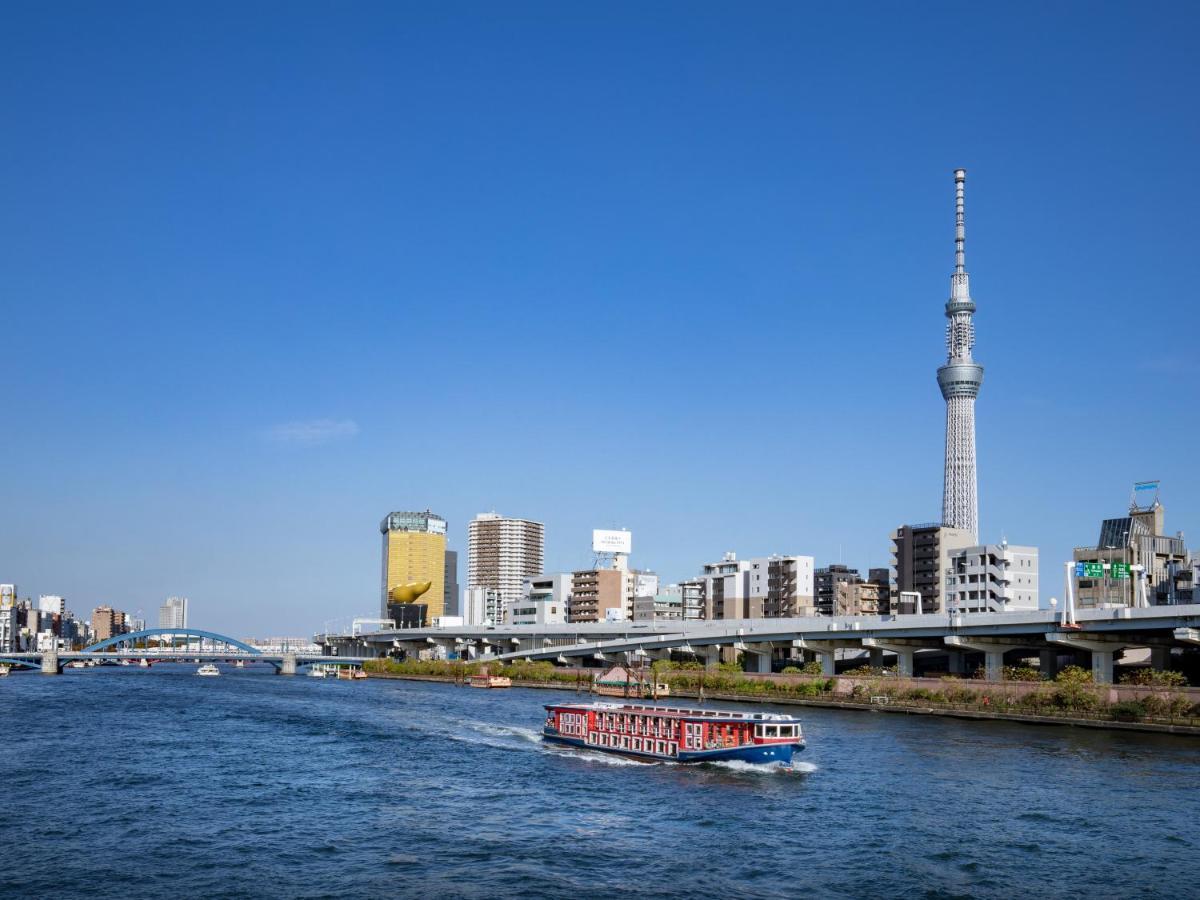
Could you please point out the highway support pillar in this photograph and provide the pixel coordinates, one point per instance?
(1101, 646)
(956, 663)
(876, 658)
(50, 663)
(827, 651)
(993, 651)
(904, 650)
(288, 665)
(1048, 662)
(758, 657)
(1160, 657)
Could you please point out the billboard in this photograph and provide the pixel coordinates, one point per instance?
(611, 541)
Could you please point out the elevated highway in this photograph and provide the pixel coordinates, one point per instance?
(1092, 634)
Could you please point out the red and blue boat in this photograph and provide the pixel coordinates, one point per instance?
(652, 733)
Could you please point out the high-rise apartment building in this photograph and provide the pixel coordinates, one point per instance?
(780, 587)
(920, 558)
(482, 606)
(8, 618)
(414, 552)
(105, 623)
(503, 552)
(173, 613)
(826, 580)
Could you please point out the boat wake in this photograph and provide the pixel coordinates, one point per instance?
(746, 768)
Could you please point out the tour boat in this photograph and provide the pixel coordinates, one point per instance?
(317, 672)
(621, 682)
(208, 669)
(674, 734)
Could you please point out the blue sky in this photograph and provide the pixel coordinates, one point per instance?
(270, 270)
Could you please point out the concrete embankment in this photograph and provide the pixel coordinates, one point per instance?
(831, 702)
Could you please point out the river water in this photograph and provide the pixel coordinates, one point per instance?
(151, 783)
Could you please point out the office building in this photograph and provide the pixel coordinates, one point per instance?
(992, 578)
(414, 552)
(503, 552)
(173, 613)
(1108, 569)
(543, 602)
(959, 380)
(920, 558)
(451, 592)
(597, 595)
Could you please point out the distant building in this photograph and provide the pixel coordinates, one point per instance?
(863, 598)
(502, 552)
(725, 587)
(692, 595)
(414, 552)
(52, 604)
(920, 558)
(105, 622)
(482, 606)
(173, 613)
(780, 587)
(8, 619)
(543, 602)
(826, 581)
(664, 607)
(450, 604)
(1129, 541)
(992, 578)
(597, 595)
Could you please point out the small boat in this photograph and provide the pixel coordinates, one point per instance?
(317, 672)
(484, 680)
(126, 662)
(240, 664)
(79, 664)
(4, 670)
(208, 669)
(359, 675)
(675, 734)
(621, 682)
(144, 663)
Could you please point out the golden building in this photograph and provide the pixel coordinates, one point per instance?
(414, 551)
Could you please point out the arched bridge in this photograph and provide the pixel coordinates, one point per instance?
(155, 645)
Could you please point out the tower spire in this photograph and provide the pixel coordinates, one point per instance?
(960, 379)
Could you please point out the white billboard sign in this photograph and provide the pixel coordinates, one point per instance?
(611, 541)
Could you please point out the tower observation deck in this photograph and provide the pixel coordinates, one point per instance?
(959, 380)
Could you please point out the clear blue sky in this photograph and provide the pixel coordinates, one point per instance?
(270, 270)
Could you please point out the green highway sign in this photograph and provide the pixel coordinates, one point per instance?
(1120, 570)
(1093, 570)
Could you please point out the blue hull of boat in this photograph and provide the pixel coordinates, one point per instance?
(761, 754)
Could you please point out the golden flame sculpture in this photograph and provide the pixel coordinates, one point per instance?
(407, 593)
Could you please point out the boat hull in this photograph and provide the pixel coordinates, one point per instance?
(759, 754)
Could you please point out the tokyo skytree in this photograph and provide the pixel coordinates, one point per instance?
(959, 380)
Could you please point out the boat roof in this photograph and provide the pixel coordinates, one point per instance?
(678, 712)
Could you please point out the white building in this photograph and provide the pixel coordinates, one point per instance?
(482, 606)
(543, 601)
(502, 553)
(173, 613)
(992, 578)
(52, 604)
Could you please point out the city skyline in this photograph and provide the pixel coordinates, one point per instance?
(691, 273)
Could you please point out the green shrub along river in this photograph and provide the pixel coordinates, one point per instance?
(1162, 697)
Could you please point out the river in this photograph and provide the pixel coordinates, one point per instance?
(124, 782)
